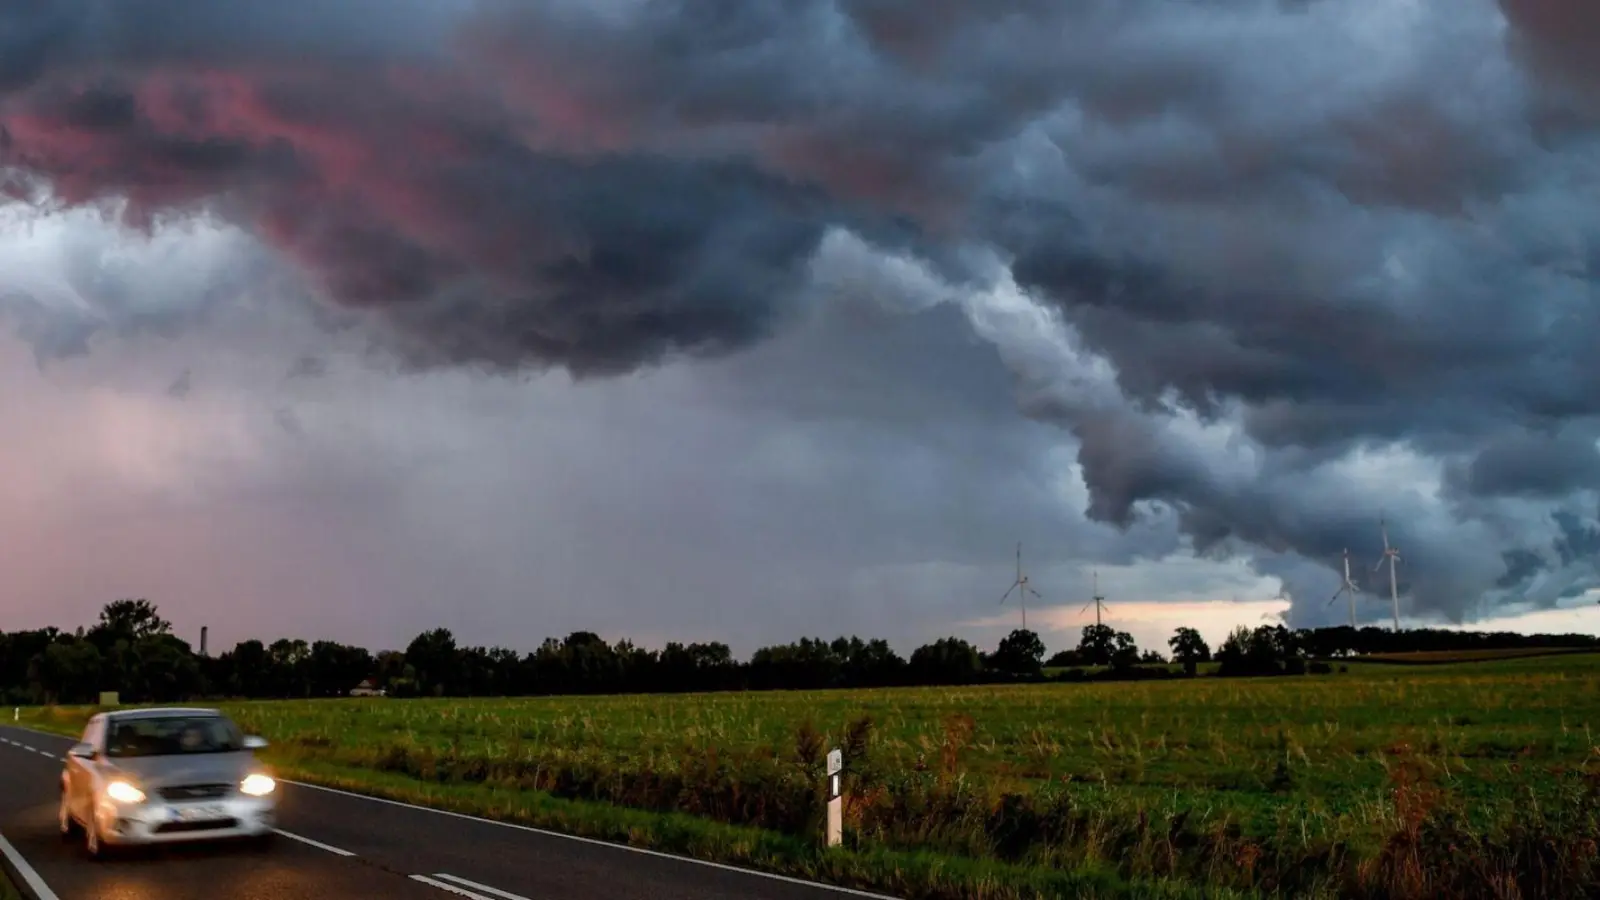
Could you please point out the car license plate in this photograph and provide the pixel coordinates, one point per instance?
(199, 813)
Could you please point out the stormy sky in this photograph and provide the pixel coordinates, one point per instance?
(747, 319)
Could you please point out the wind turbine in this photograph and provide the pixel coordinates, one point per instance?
(1348, 588)
(1025, 590)
(1392, 554)
(1099, 602)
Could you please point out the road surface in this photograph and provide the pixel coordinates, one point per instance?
(337, 845)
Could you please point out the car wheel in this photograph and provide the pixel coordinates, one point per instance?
(69, 825)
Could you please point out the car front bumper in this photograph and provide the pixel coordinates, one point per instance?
(159, 822)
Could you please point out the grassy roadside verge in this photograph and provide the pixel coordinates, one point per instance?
(913, 876)
(7, 890)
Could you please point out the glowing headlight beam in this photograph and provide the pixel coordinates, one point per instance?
(123, 792)
(258, 785)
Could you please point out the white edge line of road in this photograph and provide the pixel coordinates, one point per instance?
(308, 841)
(443, 886)
(598, 843)
(852, 892)
(457, 879)
(30, 879)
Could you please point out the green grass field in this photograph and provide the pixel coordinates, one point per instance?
(1386, 781)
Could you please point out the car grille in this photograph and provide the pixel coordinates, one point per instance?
(213, 825)
(184, 792)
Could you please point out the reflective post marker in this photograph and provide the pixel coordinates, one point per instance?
(835, 798)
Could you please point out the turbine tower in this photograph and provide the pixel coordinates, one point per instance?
(1022, 589)
(1348, 588)
(1099, 602)
(1392, 555)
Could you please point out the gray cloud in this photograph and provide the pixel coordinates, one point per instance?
(181, 386)
(1307, 259)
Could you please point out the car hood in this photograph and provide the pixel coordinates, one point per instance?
(199, 768)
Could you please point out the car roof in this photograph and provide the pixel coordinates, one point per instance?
(163, 712)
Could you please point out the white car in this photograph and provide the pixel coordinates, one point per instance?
(158, 776)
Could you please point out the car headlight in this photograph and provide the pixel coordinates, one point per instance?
(123, 792)
(258, 785)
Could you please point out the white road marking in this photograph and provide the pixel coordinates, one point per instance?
(25, 871)
(599, 843)
(504, 895)
(317, 844)
(460, 892)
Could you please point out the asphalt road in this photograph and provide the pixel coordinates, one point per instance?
(336, 845)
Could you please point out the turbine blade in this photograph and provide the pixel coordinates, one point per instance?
(1035, 593)
(1085, 608)
(1009, 590)
(1379, 564)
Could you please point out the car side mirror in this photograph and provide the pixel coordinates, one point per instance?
(251, 742)
(82, 751)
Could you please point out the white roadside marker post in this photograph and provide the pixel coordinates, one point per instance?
(835, 798)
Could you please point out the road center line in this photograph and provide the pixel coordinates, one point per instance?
(30, 878)
(504, 895)
(317, 844)
(444, 886)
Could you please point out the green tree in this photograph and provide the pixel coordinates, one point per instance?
(1189, 648)
(129, 620)
(948, 660)
(436, 660)
(68, 671)
(1098, 644)
(164, 669)
(1020, 653)
(1125, 653)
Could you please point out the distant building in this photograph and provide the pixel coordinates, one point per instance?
(368, 688)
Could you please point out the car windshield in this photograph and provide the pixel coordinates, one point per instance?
(167, 736)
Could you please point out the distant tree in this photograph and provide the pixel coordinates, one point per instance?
(1189, 648)
(433, 657)
(1098, 644)
(590, 662)
(333, 669)
(68, 671)
(870, 663)
(129, 620)
(250, 670)
(165, 670)
(1020, 653)
(1268, 650)
(1125, 654)
(1065, 659)
(948, 660)
(1152, 657)
(809, 663)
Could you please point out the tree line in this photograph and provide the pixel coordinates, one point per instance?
(132, 650)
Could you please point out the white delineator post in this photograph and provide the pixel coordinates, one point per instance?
(835, 798)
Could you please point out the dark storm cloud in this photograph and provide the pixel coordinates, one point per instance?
(405, 185)
(1533, 464)
(1557, 40)
(1333, 225)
